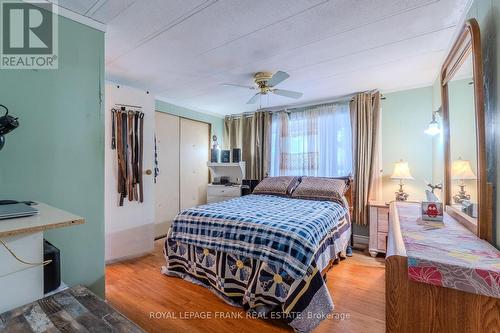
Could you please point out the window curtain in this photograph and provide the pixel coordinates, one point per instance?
(365, 122)
(250, 133)
(312, 142)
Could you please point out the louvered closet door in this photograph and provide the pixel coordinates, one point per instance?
(194, 152)
(167, 183)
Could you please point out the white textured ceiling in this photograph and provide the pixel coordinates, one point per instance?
(182, 50)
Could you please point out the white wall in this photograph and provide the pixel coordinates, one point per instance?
(129, 229)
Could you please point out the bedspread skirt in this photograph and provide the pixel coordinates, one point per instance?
(262, 289)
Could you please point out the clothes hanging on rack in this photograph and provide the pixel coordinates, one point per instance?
(127, 139)
(157, 164)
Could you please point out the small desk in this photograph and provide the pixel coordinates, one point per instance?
(439, 280)
(19, 283)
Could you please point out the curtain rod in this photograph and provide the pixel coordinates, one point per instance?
(292, 108)
(344, 98)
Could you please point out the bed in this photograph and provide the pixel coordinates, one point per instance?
(265, 253)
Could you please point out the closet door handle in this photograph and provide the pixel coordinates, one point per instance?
(149, 172)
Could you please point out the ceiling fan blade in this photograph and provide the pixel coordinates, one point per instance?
(277, 78)
(254, 99)
(237, 86)
(288, 93)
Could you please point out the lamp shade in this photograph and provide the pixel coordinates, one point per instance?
(461, 169)
(401, 171)
(433, 128)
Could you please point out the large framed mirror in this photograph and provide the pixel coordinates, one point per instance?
(466, 193)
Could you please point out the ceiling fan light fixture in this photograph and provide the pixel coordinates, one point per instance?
(265, 83)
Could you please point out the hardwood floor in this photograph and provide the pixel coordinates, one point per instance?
(137, 288)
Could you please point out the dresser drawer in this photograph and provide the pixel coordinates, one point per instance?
(383, 220)
(379, 227)
(224, 191)
(382, 241)
(216, 198)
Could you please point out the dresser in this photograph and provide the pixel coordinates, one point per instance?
(216, 193)
(439, 278)
(379, 226)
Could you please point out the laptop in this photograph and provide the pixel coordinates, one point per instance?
(16, 210)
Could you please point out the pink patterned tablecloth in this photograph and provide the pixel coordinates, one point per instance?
(450, 256)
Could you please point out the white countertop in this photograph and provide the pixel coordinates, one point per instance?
(47, 218)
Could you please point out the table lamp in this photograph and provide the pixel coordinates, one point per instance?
(461, 170)
(401, 171)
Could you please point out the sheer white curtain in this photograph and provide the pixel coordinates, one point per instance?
(312, 142)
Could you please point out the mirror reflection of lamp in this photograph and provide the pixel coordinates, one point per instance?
(401, 171)
(461, 170)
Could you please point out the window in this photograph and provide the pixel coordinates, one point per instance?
(312, 142)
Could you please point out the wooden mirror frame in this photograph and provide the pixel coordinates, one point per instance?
(468, 43)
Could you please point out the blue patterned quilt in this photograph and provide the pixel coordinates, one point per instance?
(281, 231)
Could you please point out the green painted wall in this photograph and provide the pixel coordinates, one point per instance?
(217, 122)
(438, 140)
(487, 13)
(405, 116)
(463, 129)
(57, 154)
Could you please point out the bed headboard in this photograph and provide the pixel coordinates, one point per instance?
(349, 194)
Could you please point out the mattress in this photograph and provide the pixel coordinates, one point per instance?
(243, 249)
(283, 231)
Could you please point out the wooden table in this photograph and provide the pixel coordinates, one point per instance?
(72, 310)
(20, 283)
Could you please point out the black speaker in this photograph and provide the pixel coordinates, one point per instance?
(52, 271)
(249, 184)
(225, 156)
(236, 155)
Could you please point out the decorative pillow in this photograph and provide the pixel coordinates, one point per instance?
(327, 189)
(282, 186)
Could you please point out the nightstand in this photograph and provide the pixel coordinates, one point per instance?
(216, 193)
(379, 225)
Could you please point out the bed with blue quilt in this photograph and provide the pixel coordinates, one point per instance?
(264, 253)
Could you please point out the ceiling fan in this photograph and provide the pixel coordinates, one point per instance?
(265, 83)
